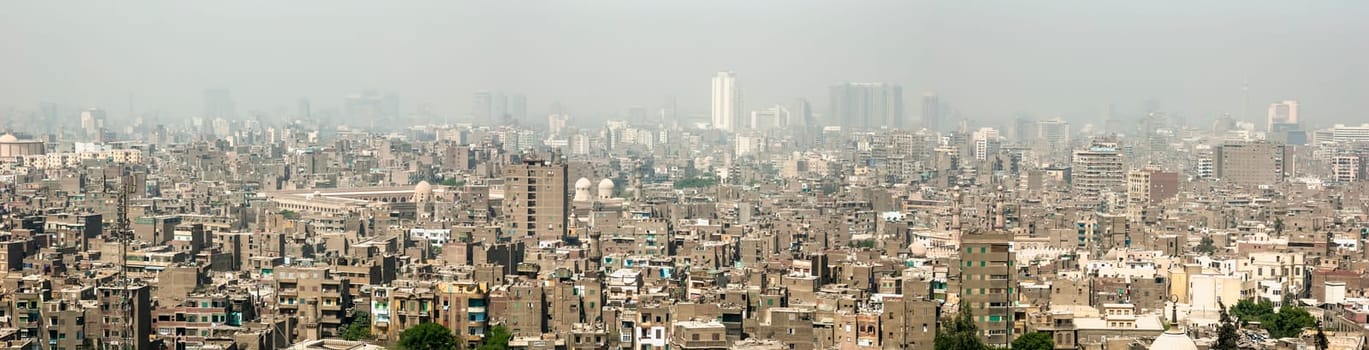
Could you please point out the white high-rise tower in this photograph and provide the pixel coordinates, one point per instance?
(1285, 112)
(727, 101)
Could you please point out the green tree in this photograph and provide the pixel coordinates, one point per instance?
(289, 214)
(497, 339)
(427, 336)
(1034, 341)
(1207, 246)
(1289, 322)
(960, 333)
(359, 328)
(1249, 310)
(453, 182)
(1226, 331)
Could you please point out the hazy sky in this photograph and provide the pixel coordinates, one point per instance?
(991, 59)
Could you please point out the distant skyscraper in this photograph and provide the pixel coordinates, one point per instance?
(370, 107)
(304, 110)
(500, 109)
(1054, 133)
(668, 111)
(866, 105)
(1285, 112)
(481, 107)
(556, 123)
(218, 103)
(1024, 130)
(389, 105)
(801, 114)
(92, 120)
(931, 112)
(518, 108)
(727, 101)
(636, 114)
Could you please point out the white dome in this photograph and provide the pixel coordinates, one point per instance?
(582, 190)
(423, 191)
(918, 249)
(1173, 339)
(605, 189)
(8, 138)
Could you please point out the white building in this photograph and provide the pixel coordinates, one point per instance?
(727, 101)
(1345, 168)
(775, 117)
(749, 144)
(1285, 112)
(986, 142)
(1342, 133)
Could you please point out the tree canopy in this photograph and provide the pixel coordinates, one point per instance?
(427, 336)
(960, 333)
(1288, 322)
(359, 328)
(1034, 341)
(496, 339)
(1207, 246)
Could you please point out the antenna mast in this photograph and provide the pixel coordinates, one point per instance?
(122, 233)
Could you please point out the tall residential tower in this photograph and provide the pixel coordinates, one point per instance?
(727, 101)
(866, 105)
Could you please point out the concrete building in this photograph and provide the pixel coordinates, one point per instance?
(316, 298)
(1345, 168)
(1253, 163)
(12, 147)
(1147, 187)
(129, 323)
(536, 202)
(986, 279)
(1097, 170)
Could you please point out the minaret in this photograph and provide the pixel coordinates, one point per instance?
(1000, 221)
(955, 209)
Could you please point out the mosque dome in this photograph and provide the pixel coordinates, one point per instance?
(582, 190)
(423, 191)
(12, 146)
(605, 189)
(918, 249)
(1173, 339)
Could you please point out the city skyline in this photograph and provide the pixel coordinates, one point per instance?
(341, 174)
